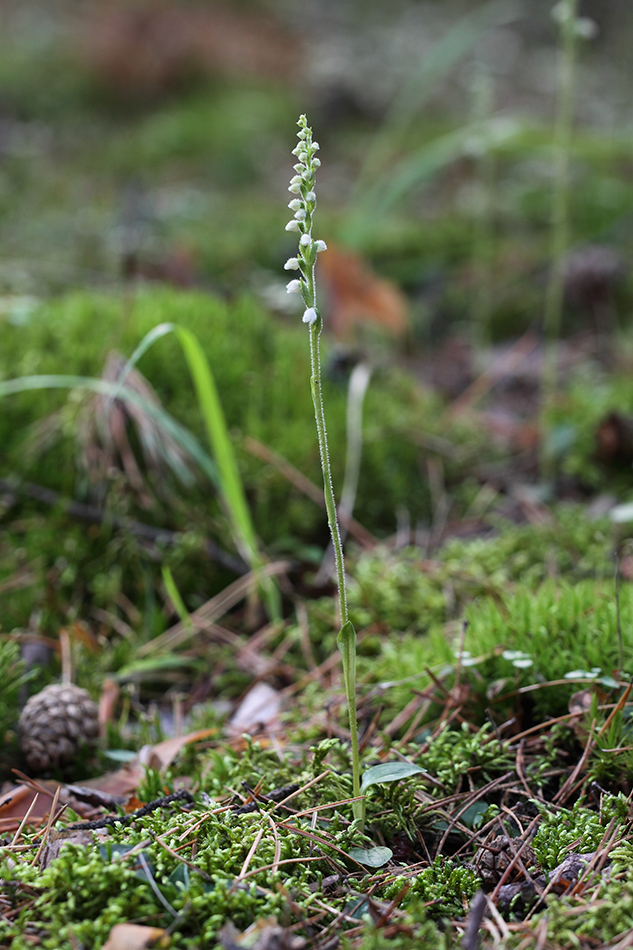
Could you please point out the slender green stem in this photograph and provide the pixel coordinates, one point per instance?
(347, 636)
(328, 489)
(560, 224)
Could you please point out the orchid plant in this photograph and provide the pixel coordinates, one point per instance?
(303, 204)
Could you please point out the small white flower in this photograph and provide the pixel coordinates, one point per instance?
(316, 162)
(305, 240)
(307, 176)
(294, 188)
(299, 167)
(291, 264)
(300, 215)
(315, 146)
(293, 287)
(292, 225)
(295, 204)
(310, 316)
(310, 196)
(320, 246)
(302, 134)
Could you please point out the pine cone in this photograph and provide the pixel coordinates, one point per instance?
(55, 724)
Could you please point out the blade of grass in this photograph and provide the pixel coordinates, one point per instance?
(176, 599)
(382, 195)
(229, 477)
(420, 86)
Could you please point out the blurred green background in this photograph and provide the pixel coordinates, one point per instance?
(144, 159)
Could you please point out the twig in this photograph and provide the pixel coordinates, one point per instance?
(475, 916)
(180, 796)
(504, 366)
(249, 856)
(16, 836)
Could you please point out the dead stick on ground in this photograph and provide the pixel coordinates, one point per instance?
(510, 360)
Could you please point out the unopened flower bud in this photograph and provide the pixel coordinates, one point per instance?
(305, 240)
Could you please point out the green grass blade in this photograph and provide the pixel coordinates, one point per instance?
(220, 442)
(434, 67)
(417, 170)
(230, 482)
(175, 597)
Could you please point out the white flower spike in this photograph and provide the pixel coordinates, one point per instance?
(302, 184)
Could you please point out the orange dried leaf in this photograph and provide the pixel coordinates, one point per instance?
(136, 937)
(355, 296)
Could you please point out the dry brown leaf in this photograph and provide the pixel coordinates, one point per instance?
(56, 840)
(16, 802)
(127, 779)
(356, 296)
(136, 937)
(258, 711)
(119, 785)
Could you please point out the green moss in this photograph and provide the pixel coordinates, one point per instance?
(562, 831)
(456, 756)
(445, 887)
(575, 922)
(87, 890)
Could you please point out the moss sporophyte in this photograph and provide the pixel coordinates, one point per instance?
(303, 204)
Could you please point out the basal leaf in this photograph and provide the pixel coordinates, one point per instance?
(371, 857)
(389, 772)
